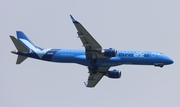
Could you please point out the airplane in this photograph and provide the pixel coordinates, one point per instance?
(97, 59)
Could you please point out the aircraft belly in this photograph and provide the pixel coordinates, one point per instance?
(108, 62)
(137, 61)
(63, 57)
(81, 59)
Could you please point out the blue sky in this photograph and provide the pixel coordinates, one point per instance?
(124, 25)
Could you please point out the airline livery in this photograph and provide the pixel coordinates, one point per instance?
(97, 59)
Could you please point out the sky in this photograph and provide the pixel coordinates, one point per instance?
(151, 25)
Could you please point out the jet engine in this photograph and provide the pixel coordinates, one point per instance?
(113, 74)
(109, 52)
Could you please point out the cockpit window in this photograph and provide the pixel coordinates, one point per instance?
(157, 53)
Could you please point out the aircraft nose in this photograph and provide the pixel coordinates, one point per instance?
(168, 60)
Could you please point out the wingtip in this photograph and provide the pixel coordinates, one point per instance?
(85, 84)
(11, 36)
(73, 20)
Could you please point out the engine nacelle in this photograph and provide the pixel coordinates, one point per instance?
(113, 74)
(109, 52)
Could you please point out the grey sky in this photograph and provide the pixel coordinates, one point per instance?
(127, 25)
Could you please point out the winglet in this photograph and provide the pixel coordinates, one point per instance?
(73, 20)
(85, 83)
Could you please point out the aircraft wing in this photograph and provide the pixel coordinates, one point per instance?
(94, 78)
(90, 44)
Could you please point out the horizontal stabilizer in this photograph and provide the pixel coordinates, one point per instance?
(19, 46)
(20, 59)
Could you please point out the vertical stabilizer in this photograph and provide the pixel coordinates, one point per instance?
(21, 37)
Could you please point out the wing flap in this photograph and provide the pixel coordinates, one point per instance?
(94, 79)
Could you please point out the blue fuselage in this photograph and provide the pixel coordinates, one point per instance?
(79, 57)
